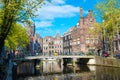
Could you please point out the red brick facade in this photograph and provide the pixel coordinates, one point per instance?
(81, 39)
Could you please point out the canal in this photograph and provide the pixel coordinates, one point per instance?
(54, 70)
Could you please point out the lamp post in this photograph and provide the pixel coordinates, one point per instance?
(103, 39)
(103, 47)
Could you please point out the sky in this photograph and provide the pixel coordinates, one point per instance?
(60, 15)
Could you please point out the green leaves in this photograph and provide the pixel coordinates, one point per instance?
(17, 37)
(11, 13)
(109, 11)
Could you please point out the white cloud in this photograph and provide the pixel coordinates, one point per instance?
(58, 1)
(53, 10)
(56, 11)
(43, 24)
(45, 31)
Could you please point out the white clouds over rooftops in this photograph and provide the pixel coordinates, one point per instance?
(56, 11)
(43, 24)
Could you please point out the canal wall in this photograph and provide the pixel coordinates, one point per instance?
(107, 61)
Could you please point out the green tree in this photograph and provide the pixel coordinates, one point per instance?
(12, 11)
(109, 11)
(17, 38)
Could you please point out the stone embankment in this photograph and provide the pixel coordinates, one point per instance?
(107, 61)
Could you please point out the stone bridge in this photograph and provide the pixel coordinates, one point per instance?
(65, 59)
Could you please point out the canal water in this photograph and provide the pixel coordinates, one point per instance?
(54, 70)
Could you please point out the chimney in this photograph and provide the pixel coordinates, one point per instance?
(90, 13)
(81, 13)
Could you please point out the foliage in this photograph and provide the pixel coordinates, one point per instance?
(13, 11)
(17, 38)
(109, 11)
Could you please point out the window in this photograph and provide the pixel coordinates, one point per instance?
(52, 46)
(70, 50)
(96, 40)
(87, 37)
(69, 36)
(74, 40)
(65, 37)
(60, 46)
(70, 42)
(44, 48)
(74, 43)
(46, 40)
(65, 44)
(52, 51)
(60, 42)
(78, 42)
(119, 35)
(78, 38)
(92, 41)
(87, 41)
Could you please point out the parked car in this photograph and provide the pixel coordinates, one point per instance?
(117, 55)
(105, 54)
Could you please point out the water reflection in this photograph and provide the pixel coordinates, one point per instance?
(51, 67)
(107, 73)
(54, 70)
(25, 68)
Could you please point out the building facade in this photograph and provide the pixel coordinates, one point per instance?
(82, 40)
(48, 45)
(67, 42)
(78, 39)
(38, 44)
(53, 45)
(35, 44)
(31, 34)
(116, 43)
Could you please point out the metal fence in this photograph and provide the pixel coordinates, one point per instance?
(28, 53)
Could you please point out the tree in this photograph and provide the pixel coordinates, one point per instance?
(109, 11)
(12, 11)
(17, 37)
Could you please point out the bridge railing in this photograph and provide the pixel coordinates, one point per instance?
(23, 55)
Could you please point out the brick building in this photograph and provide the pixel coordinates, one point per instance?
(81, 38)
(52, 45)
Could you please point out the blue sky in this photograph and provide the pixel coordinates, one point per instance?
(59, 15)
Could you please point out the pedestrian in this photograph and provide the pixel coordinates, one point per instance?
(98, 51)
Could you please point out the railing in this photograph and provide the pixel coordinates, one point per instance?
(23, 55)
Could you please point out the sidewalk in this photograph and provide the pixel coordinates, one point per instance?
(9, 71)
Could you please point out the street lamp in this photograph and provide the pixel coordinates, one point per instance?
(103, 39)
